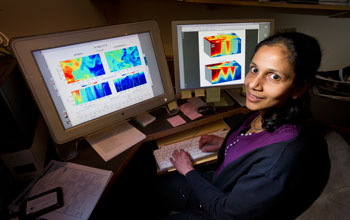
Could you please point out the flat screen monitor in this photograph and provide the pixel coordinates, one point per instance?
(215, 53)
(87, 80)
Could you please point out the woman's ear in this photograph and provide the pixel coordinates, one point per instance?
(300, 90)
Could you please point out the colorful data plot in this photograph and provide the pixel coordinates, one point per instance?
(221, 45)
(223, 72)
(82, 68)
(91, 93)
(130, 81)
(123, 58)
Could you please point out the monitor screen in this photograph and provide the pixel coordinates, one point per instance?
(87, 80)
(212, 53)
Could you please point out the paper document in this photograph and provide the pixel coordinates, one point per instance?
(112, 143)
(176, 120)
(213, 94)
(82, 187)
(190, 110)
(172, 105)
(186, 94)
(199, 92)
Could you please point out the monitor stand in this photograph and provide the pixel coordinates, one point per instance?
(144, 119)
(67, 151)
(236, 94)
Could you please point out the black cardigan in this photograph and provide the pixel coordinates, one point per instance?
(278, 181)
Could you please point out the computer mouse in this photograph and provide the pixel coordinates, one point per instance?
(206, 110)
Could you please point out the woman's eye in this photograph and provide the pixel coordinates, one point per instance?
(254, 69)
(275, 76)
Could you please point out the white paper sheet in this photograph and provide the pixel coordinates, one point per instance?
(82, 187)
(109, 145)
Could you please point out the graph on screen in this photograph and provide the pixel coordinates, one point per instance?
(123, 58)
(91, 93)
(221, 45)
(223, 72)
(81, 68)
(130, 81)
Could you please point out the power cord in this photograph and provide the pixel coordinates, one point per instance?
(4, 43)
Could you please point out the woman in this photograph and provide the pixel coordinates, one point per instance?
(270, 166)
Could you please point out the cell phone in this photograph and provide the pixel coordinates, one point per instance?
(41, 204)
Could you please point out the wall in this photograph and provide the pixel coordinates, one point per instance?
(333, 33)
(22, 18)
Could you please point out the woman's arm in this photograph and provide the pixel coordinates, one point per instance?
(254, 196)
(210, 143)
(182, 160)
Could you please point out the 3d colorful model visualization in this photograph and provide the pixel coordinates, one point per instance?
(222, 72)
(91, 93)
(221, 45)
(123, 58)
(130, 81)
(82, 68)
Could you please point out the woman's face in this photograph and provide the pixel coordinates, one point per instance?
(269, 82)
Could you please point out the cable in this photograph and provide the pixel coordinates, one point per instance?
(4, 53)
(4, 41)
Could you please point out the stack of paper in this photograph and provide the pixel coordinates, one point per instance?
(82, 187)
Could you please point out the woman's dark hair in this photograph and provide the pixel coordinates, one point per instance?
(304, 55)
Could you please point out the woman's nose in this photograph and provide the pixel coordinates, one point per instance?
(256, 82)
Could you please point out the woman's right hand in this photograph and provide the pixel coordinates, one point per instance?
(210, 143)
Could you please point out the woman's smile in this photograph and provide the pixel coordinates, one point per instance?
(253, 98)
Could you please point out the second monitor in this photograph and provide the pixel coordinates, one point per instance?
(212, 53)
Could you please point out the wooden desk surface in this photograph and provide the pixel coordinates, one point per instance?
(157, 129)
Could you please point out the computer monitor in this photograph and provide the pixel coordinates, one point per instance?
(212, 53)
(87, 80)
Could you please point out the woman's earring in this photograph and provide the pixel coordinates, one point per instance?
(294, 97)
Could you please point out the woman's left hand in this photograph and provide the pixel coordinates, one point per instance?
(182, 161)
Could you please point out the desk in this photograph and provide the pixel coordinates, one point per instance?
(157, 129)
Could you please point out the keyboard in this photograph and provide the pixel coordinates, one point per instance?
(163, 154)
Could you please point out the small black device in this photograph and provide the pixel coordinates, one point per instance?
(207, 110)
(41, 204)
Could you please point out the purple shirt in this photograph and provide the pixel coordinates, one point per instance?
(239, 143)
